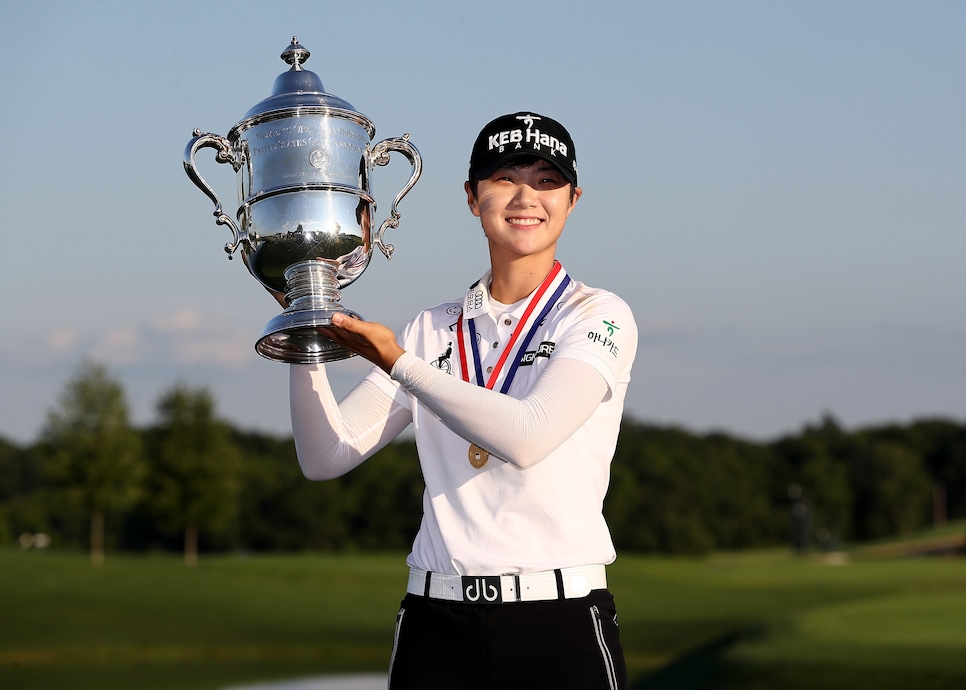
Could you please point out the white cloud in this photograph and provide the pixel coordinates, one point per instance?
(121, 346)
(213, 349)
(182, 321)
(663, 329)
(61, 340)
(185, 337)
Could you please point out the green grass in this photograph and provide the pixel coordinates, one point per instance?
(747, 620)
(152, 623)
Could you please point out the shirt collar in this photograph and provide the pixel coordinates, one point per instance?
(477, 300)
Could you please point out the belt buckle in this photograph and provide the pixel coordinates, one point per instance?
(482, 589)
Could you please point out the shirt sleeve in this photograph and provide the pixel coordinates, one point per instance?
(332, 437)
(564, 396)
(602, 334)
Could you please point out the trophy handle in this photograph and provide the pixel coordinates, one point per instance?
(380, 156)
(224, 155)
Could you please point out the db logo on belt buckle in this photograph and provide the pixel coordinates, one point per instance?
(482, 590)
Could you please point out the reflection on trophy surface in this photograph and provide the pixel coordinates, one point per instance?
(303, 159)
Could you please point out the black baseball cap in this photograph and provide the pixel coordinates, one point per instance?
(522, 134)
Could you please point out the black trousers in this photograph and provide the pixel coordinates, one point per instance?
(568, 643)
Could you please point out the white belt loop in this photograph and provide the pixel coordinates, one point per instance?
(574, 583)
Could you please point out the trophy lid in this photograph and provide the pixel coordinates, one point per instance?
(297, 87)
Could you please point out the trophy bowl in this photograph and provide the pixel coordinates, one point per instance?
(303, 159)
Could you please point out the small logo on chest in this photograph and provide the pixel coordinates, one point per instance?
(545, 349)
(443, 362)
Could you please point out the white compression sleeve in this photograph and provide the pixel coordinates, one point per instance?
(332, 438)
(522, 432)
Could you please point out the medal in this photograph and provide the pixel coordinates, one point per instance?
(478, 456)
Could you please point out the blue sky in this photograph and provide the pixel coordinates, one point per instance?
(775, 188)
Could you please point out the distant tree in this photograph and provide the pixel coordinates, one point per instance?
(279, 508)
(673, 491)
(942, 444)
(817, 465)
(651, 505)
(7, 453)
(92, 452)
(891, 487)
(194, 479)
(9, 485)
(738, 482)
(949, 463)
(19, 484)
(383, 498)
(376, 506)
(9, 478)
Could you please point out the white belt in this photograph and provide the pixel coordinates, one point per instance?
(565, 583)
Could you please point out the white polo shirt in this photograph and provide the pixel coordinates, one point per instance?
(500, 519)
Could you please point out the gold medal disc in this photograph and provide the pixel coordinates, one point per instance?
(478, 456)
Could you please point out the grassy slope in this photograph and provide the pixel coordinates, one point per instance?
(152, 623)
(750, 620)
(770, 620)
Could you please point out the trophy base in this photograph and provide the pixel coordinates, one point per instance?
(294, 338)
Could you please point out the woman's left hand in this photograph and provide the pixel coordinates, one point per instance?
(369, 339)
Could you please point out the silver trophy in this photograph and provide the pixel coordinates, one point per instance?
(303, 159)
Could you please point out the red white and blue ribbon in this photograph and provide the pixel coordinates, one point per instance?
(540, 304)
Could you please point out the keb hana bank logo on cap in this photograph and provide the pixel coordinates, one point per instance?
(523, 134)
(531, 138)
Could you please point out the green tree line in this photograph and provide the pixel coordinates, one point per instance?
(192, 482)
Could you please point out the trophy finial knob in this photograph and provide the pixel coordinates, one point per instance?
(295, 54)
(296, 86)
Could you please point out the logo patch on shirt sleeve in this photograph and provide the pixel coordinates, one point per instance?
(606, 341)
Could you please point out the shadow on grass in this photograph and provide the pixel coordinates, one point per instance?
(695, 669)
(709, 666)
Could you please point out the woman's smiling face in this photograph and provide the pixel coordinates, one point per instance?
(523, 207)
